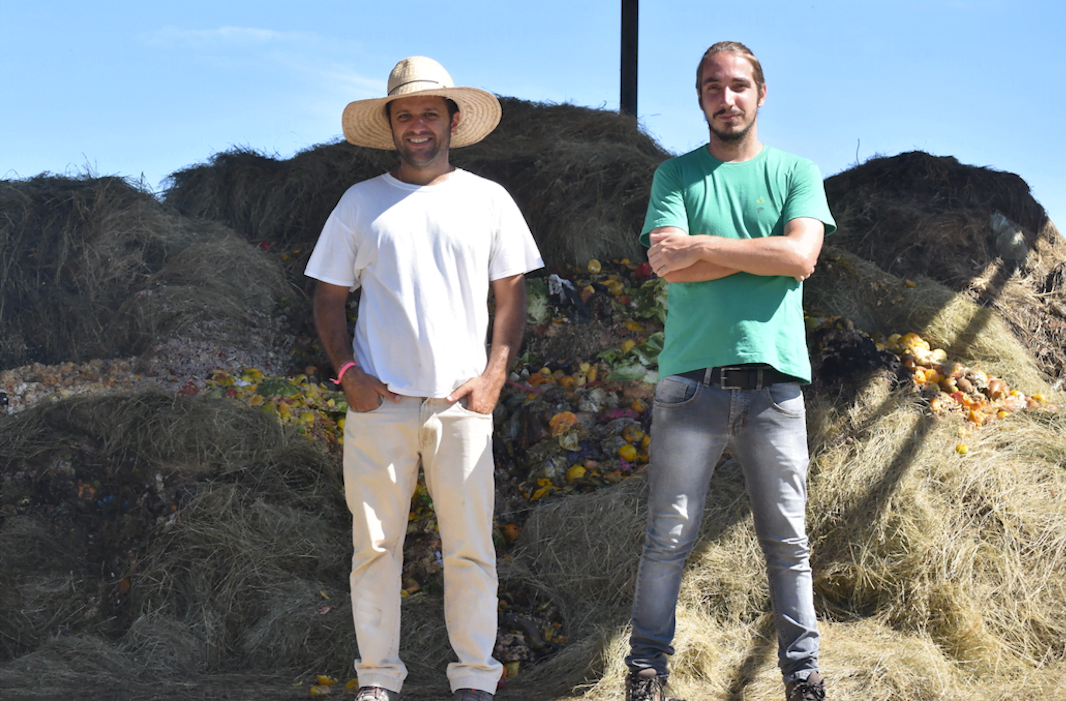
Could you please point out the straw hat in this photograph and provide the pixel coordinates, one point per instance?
(366, 124)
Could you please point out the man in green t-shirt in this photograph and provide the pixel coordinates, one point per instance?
(734, 227)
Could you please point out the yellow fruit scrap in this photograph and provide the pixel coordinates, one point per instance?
(324, 680)
(545, 488)
(962, 449)
(318, 690)
(628, 452)
(594, 266)
(628, 345)
(575, 472)
(634, 326)
(351, 685)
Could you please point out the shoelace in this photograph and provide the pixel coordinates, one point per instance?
(649, 689)
(805, 691)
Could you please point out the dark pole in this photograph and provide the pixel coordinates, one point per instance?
(628, 102)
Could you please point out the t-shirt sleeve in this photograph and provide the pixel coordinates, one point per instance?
(666, 206)
(334, 255)
(806, 197)
(515, 251)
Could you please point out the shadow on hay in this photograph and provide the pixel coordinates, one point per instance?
(185, 532)
(98, 268)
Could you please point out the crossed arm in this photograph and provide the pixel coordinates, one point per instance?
(363, 390)
(677, 257)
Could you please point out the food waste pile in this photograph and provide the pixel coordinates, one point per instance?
(564, 426)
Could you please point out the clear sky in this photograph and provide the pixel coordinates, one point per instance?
(147, 88)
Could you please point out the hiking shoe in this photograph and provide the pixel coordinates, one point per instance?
(472, 695)
(376, 693)
(810, 689)
(645, 685)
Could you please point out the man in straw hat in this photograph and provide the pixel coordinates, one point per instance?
(734, 227)
(425, 243)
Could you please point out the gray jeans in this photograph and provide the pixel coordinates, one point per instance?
(765, 430)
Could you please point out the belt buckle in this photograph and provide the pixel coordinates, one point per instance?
(722, 381)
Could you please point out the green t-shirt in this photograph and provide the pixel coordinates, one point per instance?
(741, 318)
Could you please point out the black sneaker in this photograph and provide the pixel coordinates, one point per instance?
(645, 685)
(810, 689)
(472, 695)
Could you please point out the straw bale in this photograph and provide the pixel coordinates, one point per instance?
(98, 268)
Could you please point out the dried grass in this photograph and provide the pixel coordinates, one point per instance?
(97, 268)
(580, 176)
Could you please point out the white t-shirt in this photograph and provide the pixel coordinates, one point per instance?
(424, 257)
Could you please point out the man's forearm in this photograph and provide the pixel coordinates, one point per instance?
(508, 327)
(331, 322)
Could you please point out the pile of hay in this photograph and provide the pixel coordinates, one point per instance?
(98, 268)
(150, 538)
(159, 543)
(974, 230)
(580, 176)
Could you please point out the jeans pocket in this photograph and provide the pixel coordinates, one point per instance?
(674, 390)
(786, 397)
(464, 405)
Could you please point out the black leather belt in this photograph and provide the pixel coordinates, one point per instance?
(739, 376)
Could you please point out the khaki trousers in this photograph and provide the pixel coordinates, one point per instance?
(383, 450)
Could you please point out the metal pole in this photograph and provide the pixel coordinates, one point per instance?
(628, 101)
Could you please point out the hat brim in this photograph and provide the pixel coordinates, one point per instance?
(365, 123)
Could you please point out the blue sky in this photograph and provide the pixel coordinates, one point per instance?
(148, 88)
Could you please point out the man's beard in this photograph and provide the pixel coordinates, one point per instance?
(731, 136)
(406, 153)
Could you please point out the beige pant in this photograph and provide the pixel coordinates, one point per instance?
(382, 452)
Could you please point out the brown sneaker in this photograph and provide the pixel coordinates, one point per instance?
(471, 695)
(810, 689)
(645, 685)
(376, 693)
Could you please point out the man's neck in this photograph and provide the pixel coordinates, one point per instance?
(413, 175)
(735, 151)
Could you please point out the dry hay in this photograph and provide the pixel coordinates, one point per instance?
(211, 530)
(937, 575)
(916, 215)
(97, 268)
(879, 303)
(217, 543)
(581, 177)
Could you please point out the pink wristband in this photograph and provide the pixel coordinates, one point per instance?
(340, 373)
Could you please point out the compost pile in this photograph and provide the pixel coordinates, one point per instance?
(172, 521)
